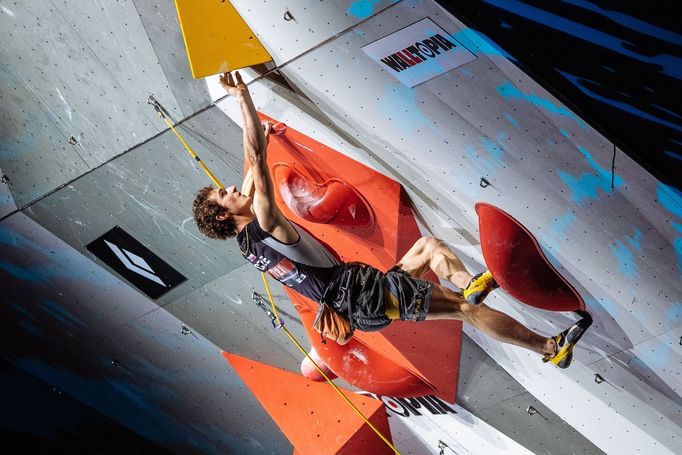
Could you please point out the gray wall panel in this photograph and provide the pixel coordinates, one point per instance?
(224, 312)
(101, 68)
(85, 333)
(149, 192)
(7, 204)
(160, 22)
(34, 153)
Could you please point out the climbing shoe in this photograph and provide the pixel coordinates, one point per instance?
(565, 342)
(479, 287)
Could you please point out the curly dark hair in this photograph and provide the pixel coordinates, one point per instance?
(205, 212)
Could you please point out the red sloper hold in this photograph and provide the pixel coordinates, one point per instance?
(360, 363)
(518, 264)
(313, 416)
(382, 230)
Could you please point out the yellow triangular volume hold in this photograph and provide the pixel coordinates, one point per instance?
(216, 37)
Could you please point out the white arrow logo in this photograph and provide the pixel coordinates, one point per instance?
(135, 263)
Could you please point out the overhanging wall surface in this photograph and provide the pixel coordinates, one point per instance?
(149, 193)
(88, 335)
(310, 23)
(84, 70)
(611, 235)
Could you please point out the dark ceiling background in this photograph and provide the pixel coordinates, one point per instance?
(619, 64)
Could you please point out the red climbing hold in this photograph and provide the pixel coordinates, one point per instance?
(518, 264)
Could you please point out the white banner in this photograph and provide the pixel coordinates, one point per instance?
(418, 52)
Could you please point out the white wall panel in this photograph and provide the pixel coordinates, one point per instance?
(549, 169)
(312, 22)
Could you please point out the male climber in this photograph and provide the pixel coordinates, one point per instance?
(368, 299)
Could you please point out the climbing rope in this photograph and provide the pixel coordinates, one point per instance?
(280, 324)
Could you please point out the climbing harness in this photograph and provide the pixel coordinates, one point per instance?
(277, 322)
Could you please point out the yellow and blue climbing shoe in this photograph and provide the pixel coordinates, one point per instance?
(565, 342)
(479, 287)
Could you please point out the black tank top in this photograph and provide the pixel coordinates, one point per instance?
(306, 266)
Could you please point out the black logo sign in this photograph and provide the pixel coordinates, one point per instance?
(134, 262)
(419, 52)
(418, 406)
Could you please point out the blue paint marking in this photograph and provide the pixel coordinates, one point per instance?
(492, 148)
(575, 80)
(670, 198)
(672, 154)
(671, 65)
(635, 240)
(631, 22)
(400, 104)
(513, 121)
(510, 92)
(587, 185)
(656, 357)
(482, 166)
(674, 312)
(362, 9)
(477, 42)
(59, 312)
(560, 225)
(626, 261)
(564, 133)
